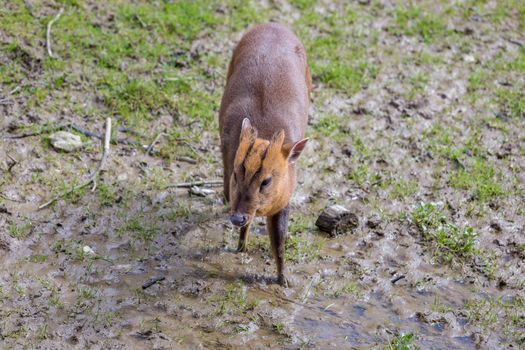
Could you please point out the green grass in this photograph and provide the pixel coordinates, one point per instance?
(108, 194)
(138, 229)
(417, 83)
(363, 177)
(234, 300)
(511, 102)
(349, 288)
(486, 313)
(302, 247)
(481, 180)
(342, 67)
(20, 231)
(160, 65)
(414, 21)
(402, 342)
(402, 189)
(450, 243)
(278, 327)
(87, 292)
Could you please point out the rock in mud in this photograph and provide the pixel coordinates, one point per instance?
(4, 210)
(65, 141)
(88, 250)
(448, 320)
(193, 288)
(374, 221)
(337, 220)
(4, 245)
(201, 191)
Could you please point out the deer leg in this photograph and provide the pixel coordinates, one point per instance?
(243, 238)
(277, 229)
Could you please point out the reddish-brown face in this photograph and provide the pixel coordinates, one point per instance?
(262, 181)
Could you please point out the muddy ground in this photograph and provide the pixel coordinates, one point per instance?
(417, 126)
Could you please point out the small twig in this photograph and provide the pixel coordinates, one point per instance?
(515, 42)
(105, 154)
(315, 279)
(187, 160)
(13, 163)
(43, 130)
(86, 133)
(211, 183)
(397, 279)
(75, 127)
(128, 142)
(152, 281)
(93, 178)
(194, 150)
(15, 90)
(6, 101)
(130, 131)
(9, 199)
(29, 7)
(143, 25)
(48, 36)
(155, 140)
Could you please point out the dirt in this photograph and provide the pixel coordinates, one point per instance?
(56, 294)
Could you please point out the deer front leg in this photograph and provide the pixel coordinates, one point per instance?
(277, 229)
(243, 238)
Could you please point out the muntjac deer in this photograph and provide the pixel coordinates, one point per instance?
(262, 120)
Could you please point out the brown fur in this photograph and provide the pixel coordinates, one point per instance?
(269, 83)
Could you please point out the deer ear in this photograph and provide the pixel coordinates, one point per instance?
(293, 151)
(278, 138)
(246, 124)
(248, 131)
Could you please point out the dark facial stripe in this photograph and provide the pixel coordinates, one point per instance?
(259, 170)
(246, 155)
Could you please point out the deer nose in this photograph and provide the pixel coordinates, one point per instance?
(238, 219)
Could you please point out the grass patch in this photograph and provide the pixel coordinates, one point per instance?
(414, 21)
(363, 177)
(402, 342)
(20, 231)
(511, 102)
(417, 84)
(402, 189)
(481, 180)
(136, 227)
(342, 67)
(235, 300)
(349, 288)
(495, 314)
(450, 243)
(278, 327)
(301, 247)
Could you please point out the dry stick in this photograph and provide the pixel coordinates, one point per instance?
(152, 281)
(54, 128)
(48, 36)
(15, 90)
(187, 160)
(93, 178)
(13, 163)
(155, 140)
(196, 183)
(75, 127)
(105, 154)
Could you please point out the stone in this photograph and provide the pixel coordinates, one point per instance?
(337, 220)
(65, 141)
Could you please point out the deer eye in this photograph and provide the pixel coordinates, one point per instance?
(266, 182)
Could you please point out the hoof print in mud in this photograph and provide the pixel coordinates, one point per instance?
(337, 220)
